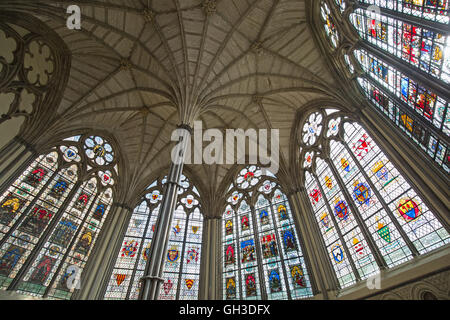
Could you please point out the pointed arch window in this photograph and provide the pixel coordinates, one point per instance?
(50, 218)
(433, 10)
(429, 139)
(330, 26)
(426, 49)
(404, 55)
(262, 255)
(369, 215)
(423, 100)
(182, 260)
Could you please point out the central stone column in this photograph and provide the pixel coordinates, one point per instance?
(152, 279)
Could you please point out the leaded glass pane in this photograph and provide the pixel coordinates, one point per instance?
(434, 10)
(329, 26)
(261, 249)
(432, 107)
(411, 124)
(421, 48)
(358, 196)
(183, 255)
(50, 220)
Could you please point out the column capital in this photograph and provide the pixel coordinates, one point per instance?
(122, 205)
(211, 218)
(185, 127)
(295, 190)
(25, 143)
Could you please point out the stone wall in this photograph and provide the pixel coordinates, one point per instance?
(435, 287)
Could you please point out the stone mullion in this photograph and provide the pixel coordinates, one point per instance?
(338, 230)
(133, 273)
(43, 239)
(259, 256)
(180, 272)
(112, 255)
(430, 186)
(280, 252)
(72, 243)
(381, 262)
(201, 279)
(410, 19)
(310, 224)
(6, 182)
(407, 109)
(238, 253)
(434, 83)
(28, 208)
(383, 203)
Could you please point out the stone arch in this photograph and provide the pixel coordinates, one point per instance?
(426, 291)
(35, 66)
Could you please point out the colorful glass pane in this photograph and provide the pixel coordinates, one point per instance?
(360, 180)
(330, 27)
(431, 141)
(43, 202)
(422, 48)
(182, 259)
(265, 236)
(434, 10)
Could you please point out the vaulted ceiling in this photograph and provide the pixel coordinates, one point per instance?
(139, 68)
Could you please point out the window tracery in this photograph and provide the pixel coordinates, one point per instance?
(182, 260)
(50, 218)
(262, 255)
(433, 10)
(369, 215)
(412, 91)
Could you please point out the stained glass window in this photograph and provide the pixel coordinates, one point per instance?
(418, 97)
(342, 5)
(312, 129)
(399, 31)
(431, 140)
(182, 259)
(434, 10)
(50, 218)
(330, 26)
(350, 66)
(262, 255)
(363, 205)
(423, 48)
